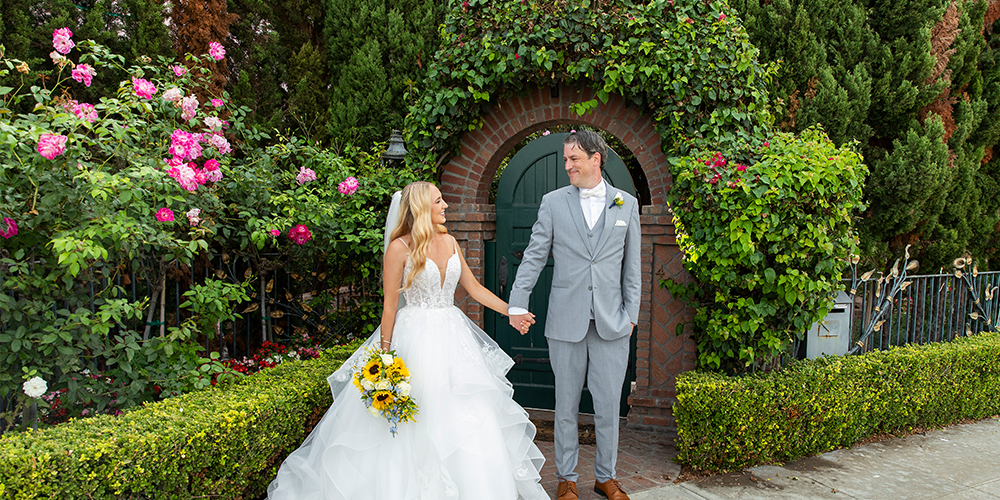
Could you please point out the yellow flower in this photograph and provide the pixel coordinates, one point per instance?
(357, 382)
(382, 400)
(399, 368)
(373, 369)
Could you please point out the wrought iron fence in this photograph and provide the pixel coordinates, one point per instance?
(925, 308)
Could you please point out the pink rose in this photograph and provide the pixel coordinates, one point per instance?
(51, 145)
(192, 216)
(275, 233)
(690, 21)
(213, 123)
(766, 144)
(83, 73)
(61, 40)
(165, 215)
(306, 175)
(722, 16)
(179, 71)
(189, 107)
(217, 103)
(348, 186)
(220, 143)
(216, 50)
(85, 112)
(299, 234)
(185, 145)
(741, 168)
(143, 88)
(173, 94)
(186, 177)
(11, 230)
(212, 172)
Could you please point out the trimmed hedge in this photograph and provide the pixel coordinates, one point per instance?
(222, 442)
(726, 423)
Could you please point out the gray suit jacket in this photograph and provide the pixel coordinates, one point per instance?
(601, 274)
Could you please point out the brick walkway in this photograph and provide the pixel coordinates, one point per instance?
(644, 461)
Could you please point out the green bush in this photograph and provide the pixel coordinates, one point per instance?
(223, 442)
(726, 423)
(767, 243)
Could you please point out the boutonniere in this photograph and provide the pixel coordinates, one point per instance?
(618, 201)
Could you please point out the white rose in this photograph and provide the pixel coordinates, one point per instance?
(367, 384)
(382, 385)
(373, 411)
(403, 389)
(35, 387)
(173, 94)
(387, 359)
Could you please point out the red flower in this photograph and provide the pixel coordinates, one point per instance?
(517, 56)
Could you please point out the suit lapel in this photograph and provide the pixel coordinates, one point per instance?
(610, 217)
(576, 213)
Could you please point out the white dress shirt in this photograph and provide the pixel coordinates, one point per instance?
(592, 206)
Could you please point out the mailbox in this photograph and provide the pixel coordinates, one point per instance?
(832, 334)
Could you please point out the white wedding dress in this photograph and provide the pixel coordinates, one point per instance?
(470, 441)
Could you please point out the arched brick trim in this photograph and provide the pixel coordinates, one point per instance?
(466, 178)
(466, 182)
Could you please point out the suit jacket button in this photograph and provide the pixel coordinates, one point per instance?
(593, 262)
(590, 235)
(590, 288)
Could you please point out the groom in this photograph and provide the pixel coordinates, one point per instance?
(592, 231)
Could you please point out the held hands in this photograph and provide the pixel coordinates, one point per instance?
(521, 322)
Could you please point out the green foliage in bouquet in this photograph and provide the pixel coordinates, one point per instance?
(766, 242)
(814, 406)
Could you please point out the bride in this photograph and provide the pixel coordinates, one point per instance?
(470, 440)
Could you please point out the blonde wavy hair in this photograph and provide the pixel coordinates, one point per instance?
(415, 220)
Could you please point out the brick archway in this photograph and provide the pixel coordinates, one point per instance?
(466, 180)
(467, 177)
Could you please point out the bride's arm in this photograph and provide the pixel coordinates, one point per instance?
(479, 292)
(392, 278)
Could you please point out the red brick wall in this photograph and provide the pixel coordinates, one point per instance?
(465, 183)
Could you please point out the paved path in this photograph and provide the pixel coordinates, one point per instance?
(956, 463)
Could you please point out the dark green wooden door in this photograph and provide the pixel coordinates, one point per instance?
(535, 170)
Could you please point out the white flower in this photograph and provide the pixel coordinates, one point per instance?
(35, 387)
(173, 94)
(387, 359)
(382, 385)
(619, 199)
(373, 411)
(367, 384)
(403, 389)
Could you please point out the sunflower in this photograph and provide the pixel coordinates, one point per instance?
(382, 400)
(373, 369)
(357, 382)
(398, 368)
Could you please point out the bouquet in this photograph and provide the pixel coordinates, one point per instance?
(384, 383)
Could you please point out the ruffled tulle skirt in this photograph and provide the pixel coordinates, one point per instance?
(470, 441)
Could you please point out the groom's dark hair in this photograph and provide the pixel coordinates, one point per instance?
(589, 142)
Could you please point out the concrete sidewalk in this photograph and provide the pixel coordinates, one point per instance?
(959, 462)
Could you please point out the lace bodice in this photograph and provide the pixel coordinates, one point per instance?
(426, 290)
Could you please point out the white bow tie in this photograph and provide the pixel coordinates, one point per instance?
(596, 192)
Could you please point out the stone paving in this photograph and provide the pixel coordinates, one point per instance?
(644, 462)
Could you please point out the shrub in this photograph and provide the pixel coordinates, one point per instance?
(767, 243)
(726, 423)
(223, 442)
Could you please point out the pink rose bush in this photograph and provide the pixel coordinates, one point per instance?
(11, 230)
(61, 40)
(305, 175)
(216, 50)
(83, 73)
(51, 145)
(179, 71)
(165, 215)
(349, 186)
(299, 234)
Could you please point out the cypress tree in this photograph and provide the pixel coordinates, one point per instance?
(369, 80)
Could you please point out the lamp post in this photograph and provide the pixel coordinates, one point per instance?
(396, 150)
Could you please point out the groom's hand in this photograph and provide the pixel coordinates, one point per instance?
(521, 322)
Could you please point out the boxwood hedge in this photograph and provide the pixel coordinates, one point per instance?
(223, 442)
(727, 423)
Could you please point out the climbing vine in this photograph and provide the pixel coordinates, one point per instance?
(686, 63)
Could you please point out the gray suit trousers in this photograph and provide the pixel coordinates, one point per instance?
(572, 366)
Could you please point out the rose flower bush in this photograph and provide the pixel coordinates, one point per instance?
(136, 185)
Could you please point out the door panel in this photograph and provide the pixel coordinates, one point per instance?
(534, 171)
